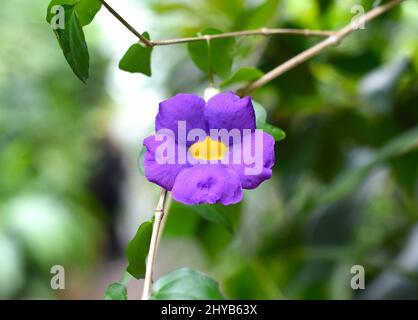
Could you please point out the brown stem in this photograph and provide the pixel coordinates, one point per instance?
(126, 24)
(262, 31)
(316, 49)
(159, 213)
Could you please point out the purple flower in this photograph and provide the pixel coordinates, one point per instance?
(205, 168)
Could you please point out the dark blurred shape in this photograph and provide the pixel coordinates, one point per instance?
(105, 183)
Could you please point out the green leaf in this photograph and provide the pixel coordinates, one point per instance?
(86, 10)
(261, 121)
(262, 15)
(73, 44)
(116, 291)
(277, 133)
(260, 114)
(186, 284)
(214, 56)
(137, 250)
(243, 75)
(214, 213)
(137, 59)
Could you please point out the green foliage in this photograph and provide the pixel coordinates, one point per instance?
(77, 14)
(343, 190)
(137, 250)
(344, 186)
(377, 88)
(263, 14)
(116, 291)
(186, 284)
(86, 10)
(244, 74)
(137, 59)
(351, 179)
(213, 56)
(277, 133)
(73, 44)
(261, 119)
(216, 214)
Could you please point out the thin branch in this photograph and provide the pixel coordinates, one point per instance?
(167, 207)
(126, 24)
(262, 32)
(159, 213)
(316, 49)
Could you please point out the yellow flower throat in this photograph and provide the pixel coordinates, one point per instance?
(208, 149)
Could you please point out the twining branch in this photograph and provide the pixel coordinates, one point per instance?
(262, 32)
(126, 24)
(160, 213)
(333, 38)
(316, 49)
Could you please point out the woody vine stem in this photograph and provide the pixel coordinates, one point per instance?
(160, 216)
(332, 38)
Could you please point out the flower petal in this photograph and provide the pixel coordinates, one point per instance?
(182, 107)
(163, 174)
(260, 160)
(207, 184)
(228, 111)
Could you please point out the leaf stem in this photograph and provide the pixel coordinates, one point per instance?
(160, 213)
(262, 31)
(126, 24)
(332, 40)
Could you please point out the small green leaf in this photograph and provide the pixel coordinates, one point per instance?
(137, 59)
(186, 284)
(86, 10)
(73, 44)
(137, 250)
(261, 121)
(214, 213)
(263, 14)
(277, 133)
(243, 75)
(260, 114)
(116, 291)
(214, 56)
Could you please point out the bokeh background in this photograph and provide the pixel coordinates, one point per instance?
(344, 190)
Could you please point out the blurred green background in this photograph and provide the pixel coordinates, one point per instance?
(344, 190)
